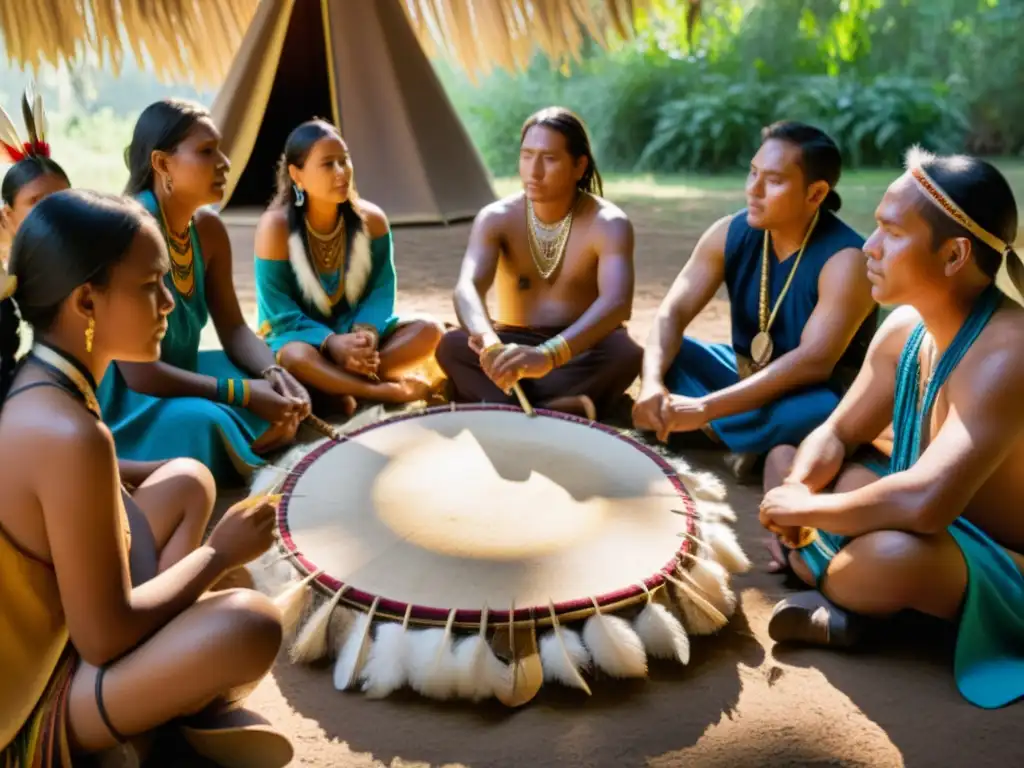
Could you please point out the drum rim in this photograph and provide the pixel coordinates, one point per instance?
(423, 615)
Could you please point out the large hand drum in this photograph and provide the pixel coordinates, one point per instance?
(476, 551)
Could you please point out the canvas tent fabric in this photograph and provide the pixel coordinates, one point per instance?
(360, 66)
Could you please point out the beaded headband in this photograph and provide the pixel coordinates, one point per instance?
(937, 195)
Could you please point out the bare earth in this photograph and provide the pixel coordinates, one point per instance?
(737, 703)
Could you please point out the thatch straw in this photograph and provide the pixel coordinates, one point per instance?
(184, 40)
(195, 40)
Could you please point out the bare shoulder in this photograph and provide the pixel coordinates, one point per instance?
(272, 235)
(845, 272)
(495, 218)
(54, 430)
(376, 220)
(209, 224)
(998, 354)
(892, 334)
(610, 221)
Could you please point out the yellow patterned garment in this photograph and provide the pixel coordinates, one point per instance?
(36, 662)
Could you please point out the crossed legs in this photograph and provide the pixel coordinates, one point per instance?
(883, 572)
(411, 344)
(213, 653)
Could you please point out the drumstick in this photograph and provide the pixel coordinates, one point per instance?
(522, 399)
(322, 426)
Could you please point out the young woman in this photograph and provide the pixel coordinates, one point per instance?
(228, 408)
(93, 654)
(325, 281)
(32, 175)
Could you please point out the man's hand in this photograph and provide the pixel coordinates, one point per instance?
(648, 408)
(782, 504)
(681, 414)
(516, 362)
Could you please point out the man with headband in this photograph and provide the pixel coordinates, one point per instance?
(940, 532)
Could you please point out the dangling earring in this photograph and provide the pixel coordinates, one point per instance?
(168, 186)
(90, 331)
(300, 196)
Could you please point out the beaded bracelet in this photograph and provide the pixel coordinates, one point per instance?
(234, 391)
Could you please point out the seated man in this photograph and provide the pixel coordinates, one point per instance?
(939, 533)
(801, 306)
(562, 259)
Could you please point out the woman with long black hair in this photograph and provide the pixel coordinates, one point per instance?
(225, 408)
(326, 283)
(93, 652)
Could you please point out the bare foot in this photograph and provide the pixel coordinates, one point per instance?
(779, 563)
(405, 390)
(275, 437)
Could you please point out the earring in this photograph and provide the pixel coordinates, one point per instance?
(168, 185)
(300, 196)
(90, 331)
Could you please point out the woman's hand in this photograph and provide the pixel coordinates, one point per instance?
(245, 532)
(270, 405)
(288, 387)
(354, 352)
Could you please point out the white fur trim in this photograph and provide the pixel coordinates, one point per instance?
(360, 264)
(356, 277)
(308, 280)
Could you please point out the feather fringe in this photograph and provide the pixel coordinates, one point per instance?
(481, 672)
(433, 671)
(385, 670)
(726, 548)
(293, 601)
(701, 617)
(354, 650)
(662, 633)
(563, 655)
(313, 641)
(614, 646)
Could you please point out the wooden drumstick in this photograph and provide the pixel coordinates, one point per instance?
(522, 399)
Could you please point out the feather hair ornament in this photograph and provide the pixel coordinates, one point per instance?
(13, 146)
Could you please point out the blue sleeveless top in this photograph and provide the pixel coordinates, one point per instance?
(743, 248)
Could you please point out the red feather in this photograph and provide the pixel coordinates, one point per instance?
(14, 154)
(38, 148)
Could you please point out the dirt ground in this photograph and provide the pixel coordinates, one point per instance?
(738, 703)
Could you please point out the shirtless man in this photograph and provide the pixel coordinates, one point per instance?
(562, 259)
(950, 504)
(795, 276)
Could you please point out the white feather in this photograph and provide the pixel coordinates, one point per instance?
(615, 647)
(292, 603)
(481, 673)
(706, 485)
(307, 279)
(713, 581)
(726, 547)
(699, 613)
(662, 633)
(385, 670)
(311, 642)
(8, 131)
(563, 656)
(360, 265)
(354, 651)
(432, 669)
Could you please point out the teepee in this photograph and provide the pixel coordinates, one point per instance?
(361, 63)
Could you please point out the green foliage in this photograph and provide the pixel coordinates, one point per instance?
(879, 75)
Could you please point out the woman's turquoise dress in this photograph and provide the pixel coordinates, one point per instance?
(148, 428)
(294, 300)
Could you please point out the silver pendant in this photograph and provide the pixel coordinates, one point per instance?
(761, 349)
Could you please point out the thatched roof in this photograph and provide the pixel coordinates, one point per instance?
(194, 40)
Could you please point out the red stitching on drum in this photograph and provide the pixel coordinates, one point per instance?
(429, 613)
